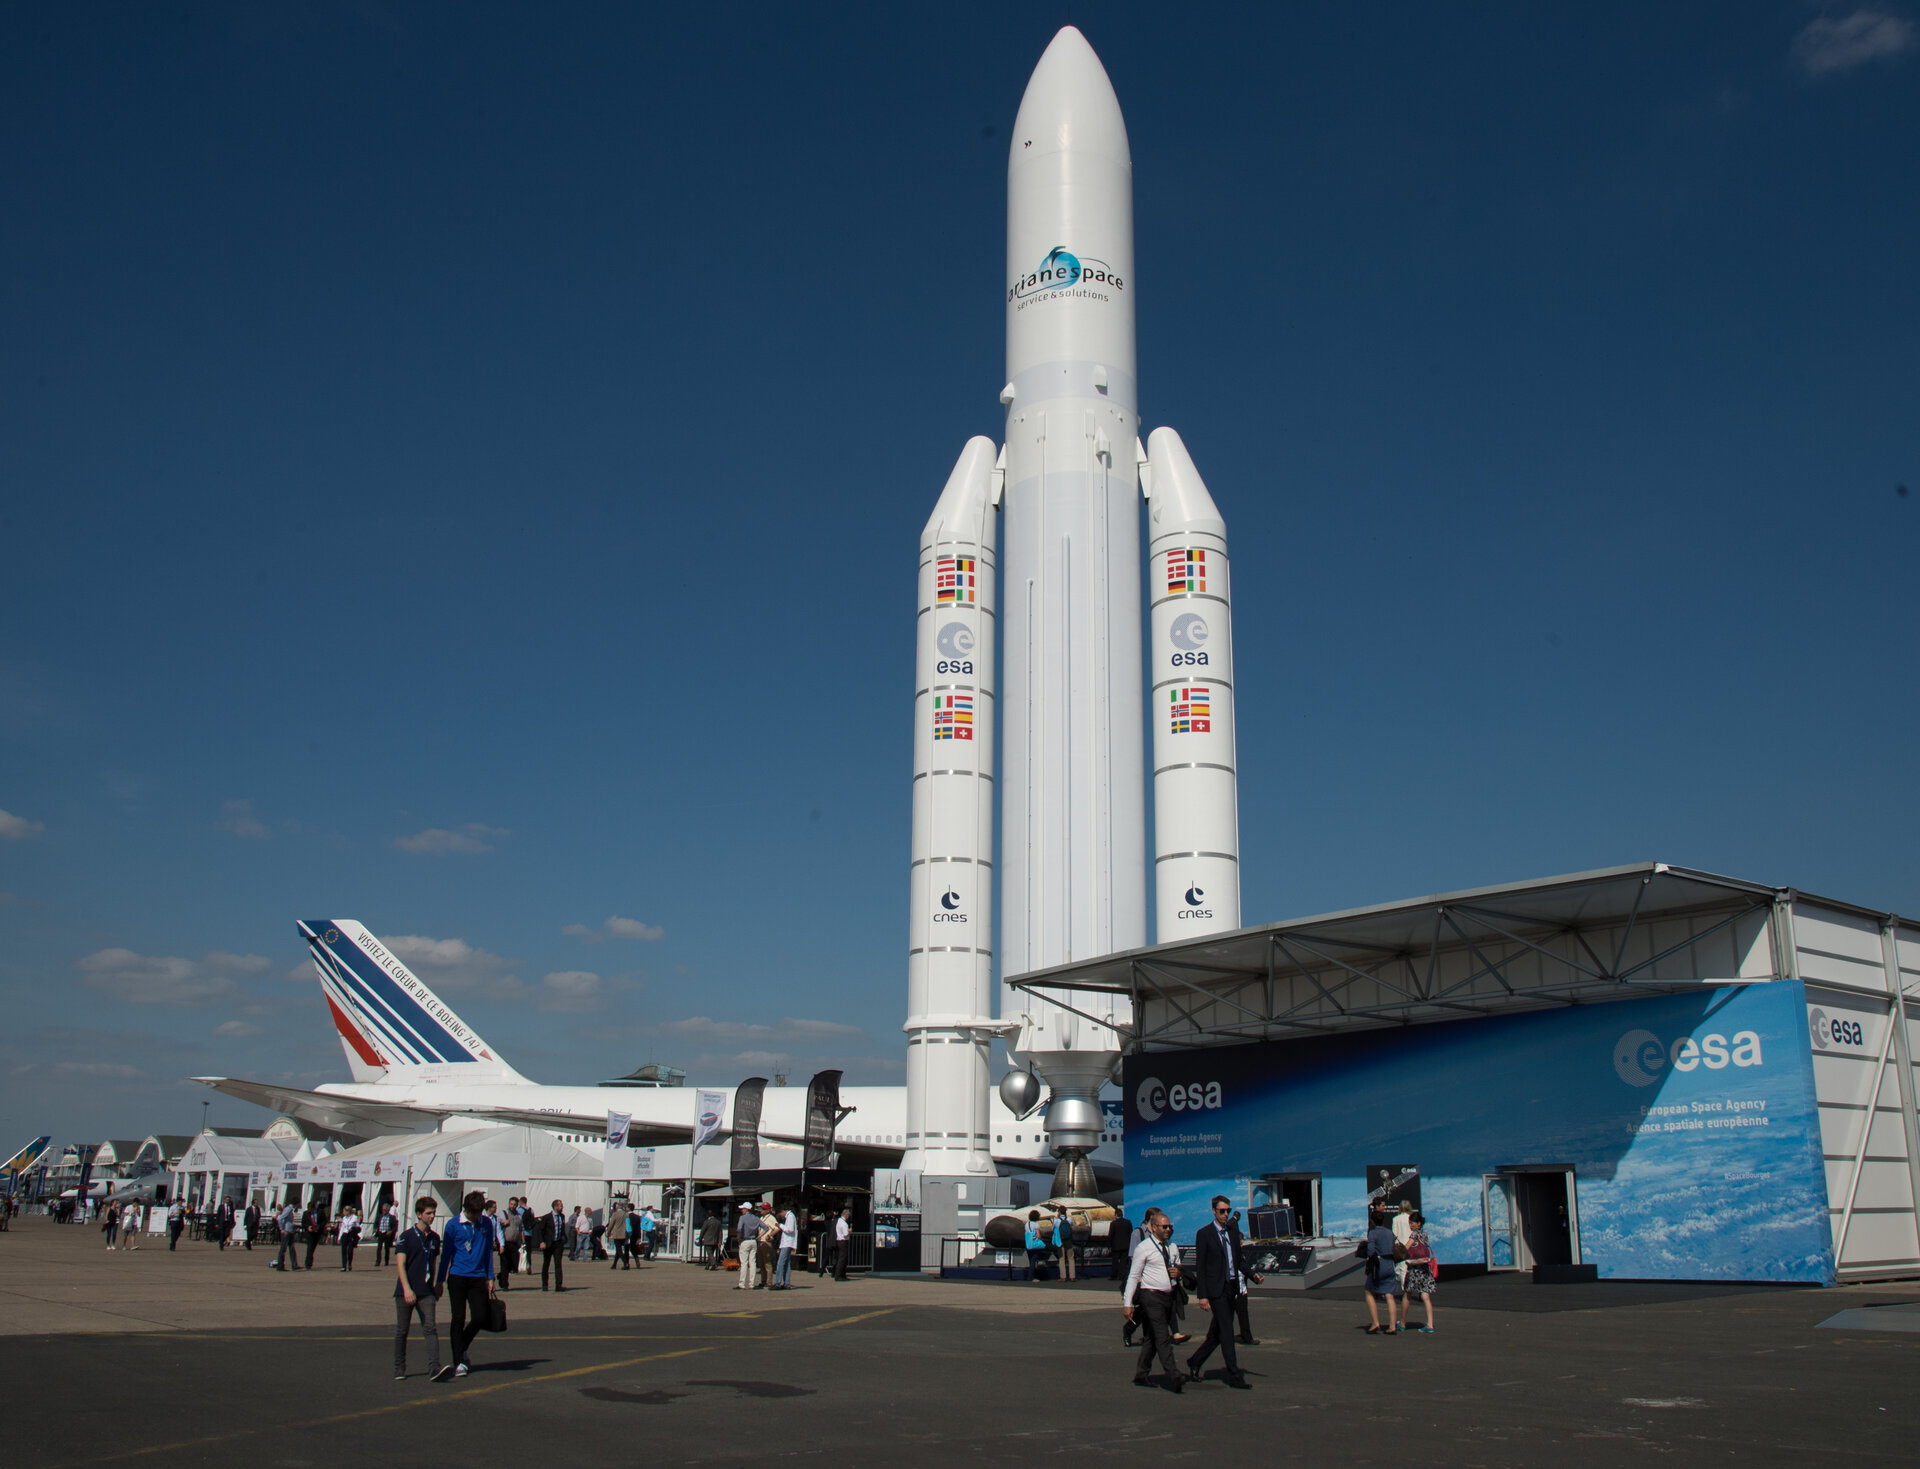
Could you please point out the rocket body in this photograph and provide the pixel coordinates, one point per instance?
(1073, 837)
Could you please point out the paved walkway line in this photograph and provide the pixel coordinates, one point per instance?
(441, 1399)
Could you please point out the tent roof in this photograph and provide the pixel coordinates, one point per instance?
(241, 1152)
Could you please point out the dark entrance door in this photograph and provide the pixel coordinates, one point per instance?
(1545, 1217)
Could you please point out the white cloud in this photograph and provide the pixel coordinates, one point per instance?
(570, 992)
(620, 928)
(95, 1068)
(456, 967)
(146, 980)
(240, 963)
(421, 952)
(18, 828)
(765, 1060)
(238, 1028)
(633, 928)
(238, 818)
(469, 839)
(735, 1032)
(1827, 45)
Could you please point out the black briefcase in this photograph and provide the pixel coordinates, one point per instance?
(496, 1315)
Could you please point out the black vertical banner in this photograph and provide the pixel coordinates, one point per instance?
(823, 1113)
(746, 1123)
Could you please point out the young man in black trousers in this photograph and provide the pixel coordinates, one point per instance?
(466, 1269)
(553, 1246)
(419, 1254)
(1220, 1272)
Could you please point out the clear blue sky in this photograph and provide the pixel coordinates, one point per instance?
(461, 468)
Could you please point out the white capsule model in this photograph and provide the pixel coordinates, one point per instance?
(1073, 801)
(1196, 813)
(950, 943)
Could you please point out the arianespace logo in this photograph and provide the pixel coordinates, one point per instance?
(1641, 1058)
(1153, 1099)
(1064, 273)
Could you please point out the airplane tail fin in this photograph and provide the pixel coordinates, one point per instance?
(391, 1025)
(21, 1161)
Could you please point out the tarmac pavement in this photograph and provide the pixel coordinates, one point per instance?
(200, 1359)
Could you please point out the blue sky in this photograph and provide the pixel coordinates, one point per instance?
(461, 468)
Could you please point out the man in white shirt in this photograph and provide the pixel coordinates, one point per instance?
(842, 1236)
(1149, 1299)
(789, 1242)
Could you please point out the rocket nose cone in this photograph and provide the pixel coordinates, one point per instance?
(1069, 103)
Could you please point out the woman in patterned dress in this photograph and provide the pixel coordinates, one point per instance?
(1422, 1271)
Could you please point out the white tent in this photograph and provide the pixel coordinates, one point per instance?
(218, 1167)
(498, 1160)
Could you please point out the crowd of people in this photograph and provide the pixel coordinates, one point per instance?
(1159, 1283)
(765, 1242)
(483, 1247)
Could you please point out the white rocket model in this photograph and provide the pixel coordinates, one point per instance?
(1196, 818)
(950, 947)
(1073, 789)
(1073, 843)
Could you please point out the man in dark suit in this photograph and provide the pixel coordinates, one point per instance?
(1219, 1271)
(553, 1246)
(313, 1228)
(252, 1217)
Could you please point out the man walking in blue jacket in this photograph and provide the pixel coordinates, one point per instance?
(466, 1269)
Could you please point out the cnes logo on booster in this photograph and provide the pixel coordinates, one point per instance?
(1152, 1098)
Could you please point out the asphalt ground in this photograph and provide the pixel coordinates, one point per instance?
(676, 1368)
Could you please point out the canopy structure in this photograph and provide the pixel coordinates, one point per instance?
(476, 1154)
(230, 1166)
(1648, 928)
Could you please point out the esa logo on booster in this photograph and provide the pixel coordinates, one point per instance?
(1189, 638)
(1152, 1099)
(955, 646)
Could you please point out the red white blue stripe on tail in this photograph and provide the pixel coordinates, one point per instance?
(388, 1019)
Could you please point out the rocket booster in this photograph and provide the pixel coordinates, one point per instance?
(1196, 807)
(950, 940)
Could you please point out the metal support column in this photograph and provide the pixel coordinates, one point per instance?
(1890, 959)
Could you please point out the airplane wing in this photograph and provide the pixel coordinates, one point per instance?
(660, 1134)
(354, 1117)
(347, 1115)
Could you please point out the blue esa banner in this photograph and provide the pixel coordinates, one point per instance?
(1689, 1121)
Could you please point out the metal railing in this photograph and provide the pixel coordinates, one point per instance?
(973, 1252)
